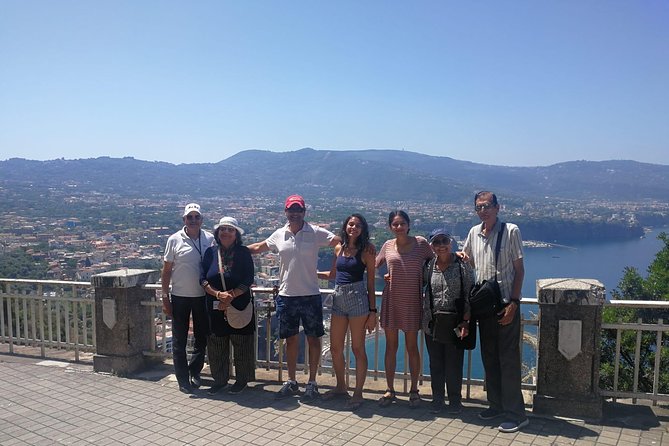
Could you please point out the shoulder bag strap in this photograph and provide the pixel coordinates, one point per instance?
(220, 269)
(430, 270)
(498, 245)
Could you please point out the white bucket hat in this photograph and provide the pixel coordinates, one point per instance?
(229, 221)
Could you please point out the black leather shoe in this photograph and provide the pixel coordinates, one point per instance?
(186, 389)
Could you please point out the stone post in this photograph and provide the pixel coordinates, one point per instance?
(122, 323)
(569, 348)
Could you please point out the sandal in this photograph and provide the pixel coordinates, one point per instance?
(414, 399)
(333, 394)
(387, 398)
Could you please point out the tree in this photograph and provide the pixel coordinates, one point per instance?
(633, 286)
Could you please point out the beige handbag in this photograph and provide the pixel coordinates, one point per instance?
(236, 318)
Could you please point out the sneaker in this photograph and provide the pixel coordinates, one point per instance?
(186, 389)
(237, 387)
(195, 380)
(513, 426)
(289, 388)
(454, 409)
(311, 392)
(436, 406)
(490, 414)
(213, 390)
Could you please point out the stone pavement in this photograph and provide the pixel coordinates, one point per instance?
(53, 402)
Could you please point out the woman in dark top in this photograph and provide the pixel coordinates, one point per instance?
(353, 304)
(234, 261)
(448, 282)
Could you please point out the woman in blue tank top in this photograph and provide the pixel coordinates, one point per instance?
(353, 305)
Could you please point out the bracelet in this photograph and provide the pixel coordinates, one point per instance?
(373, 310)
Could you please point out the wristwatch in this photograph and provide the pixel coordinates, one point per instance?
(373, 310)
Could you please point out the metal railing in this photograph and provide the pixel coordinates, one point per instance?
(639, 328)
(47, 314)
(60, 315)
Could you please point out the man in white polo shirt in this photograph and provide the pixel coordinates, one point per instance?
(299, 298)
(181, 267)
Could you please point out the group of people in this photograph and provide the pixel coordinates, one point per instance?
(425, 277)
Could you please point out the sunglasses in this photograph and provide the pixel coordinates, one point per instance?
(226, 229)
(295, 210)
(483, 207)
(195, 217)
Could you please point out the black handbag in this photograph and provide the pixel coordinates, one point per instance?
(485, 298)
(443, 324)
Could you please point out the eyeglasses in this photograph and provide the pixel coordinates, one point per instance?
(441, 241)
(483, 207)
(226, 229)
(295, 210)
(195, 217)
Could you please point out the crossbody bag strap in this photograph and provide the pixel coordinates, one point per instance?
(220, 270)
(498, 245)
(430, 270)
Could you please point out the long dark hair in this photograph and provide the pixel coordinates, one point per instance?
(399, 213)
(363, 240)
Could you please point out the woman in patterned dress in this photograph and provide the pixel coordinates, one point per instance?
(401, 306)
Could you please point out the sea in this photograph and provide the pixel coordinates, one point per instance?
(604, 261)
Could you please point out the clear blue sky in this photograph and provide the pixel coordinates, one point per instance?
(498, 82)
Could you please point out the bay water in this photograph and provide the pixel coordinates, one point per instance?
(604, 261)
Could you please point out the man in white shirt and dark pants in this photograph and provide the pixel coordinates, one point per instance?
(181, 268)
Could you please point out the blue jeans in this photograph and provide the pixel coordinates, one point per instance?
(182, 308)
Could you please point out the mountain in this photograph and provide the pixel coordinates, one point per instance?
(395, 175)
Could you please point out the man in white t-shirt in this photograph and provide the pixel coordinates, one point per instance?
(299, 298)
(181, 268)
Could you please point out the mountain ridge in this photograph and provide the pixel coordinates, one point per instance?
(383, 174)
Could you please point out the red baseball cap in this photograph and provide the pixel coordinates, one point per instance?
(293, 200)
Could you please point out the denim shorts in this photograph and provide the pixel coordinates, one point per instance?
(308, 310)
(350, 300)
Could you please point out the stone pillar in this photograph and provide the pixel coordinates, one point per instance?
(122, 323)
(569, 348)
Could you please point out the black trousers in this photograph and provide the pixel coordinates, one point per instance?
(500, 352)
(446, 362)
(182, 308)
(243, 354)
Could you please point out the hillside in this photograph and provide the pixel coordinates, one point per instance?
(366, 174)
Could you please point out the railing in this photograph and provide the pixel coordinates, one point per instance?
(49, 314)
(639, 328)
(60, 315)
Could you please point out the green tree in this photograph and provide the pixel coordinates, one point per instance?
(19, 264)
(655, 287)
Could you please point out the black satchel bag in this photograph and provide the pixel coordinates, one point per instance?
(485, 299)
(443, 324)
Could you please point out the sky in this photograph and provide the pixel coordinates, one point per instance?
(515, 83)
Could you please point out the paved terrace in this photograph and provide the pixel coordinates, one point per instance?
(47, 402)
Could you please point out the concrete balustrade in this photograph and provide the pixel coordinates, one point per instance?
(122, 328)
(569, 353)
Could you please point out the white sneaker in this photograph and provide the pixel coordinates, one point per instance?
(311, 392)
(513, 426)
